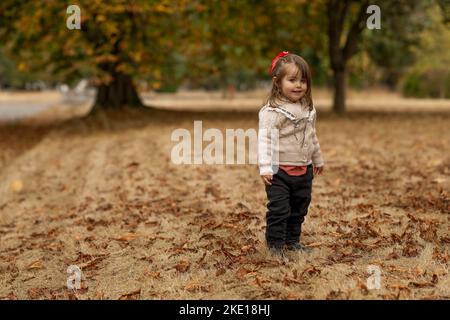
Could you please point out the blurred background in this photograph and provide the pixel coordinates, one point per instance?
(129, 53)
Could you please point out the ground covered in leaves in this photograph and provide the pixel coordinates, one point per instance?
(102, 194)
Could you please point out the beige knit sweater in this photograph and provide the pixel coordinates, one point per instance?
(287, 136)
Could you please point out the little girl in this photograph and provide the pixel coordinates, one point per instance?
(288, 141)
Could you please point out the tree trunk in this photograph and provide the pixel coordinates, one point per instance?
(338, 13)
(119, 93)
(340, 86)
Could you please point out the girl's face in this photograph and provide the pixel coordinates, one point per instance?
(293, 86)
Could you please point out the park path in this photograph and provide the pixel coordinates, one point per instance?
(19, 105)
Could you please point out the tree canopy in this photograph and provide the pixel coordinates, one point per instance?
(206, 43)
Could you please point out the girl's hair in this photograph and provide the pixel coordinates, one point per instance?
(275, 97)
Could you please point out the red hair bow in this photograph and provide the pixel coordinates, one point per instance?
(274, 61)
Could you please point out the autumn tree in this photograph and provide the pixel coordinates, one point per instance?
(346, 27)
(119, 41)
(229, 38)
(344, 32)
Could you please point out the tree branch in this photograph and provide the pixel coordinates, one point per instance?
(351, 45)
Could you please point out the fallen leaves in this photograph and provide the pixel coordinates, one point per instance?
(196, 286)
(17, 186)
(105, 207)
(127, 237)
(312, 271)
(183, 266)
(260, 281)
(287, 281)
(88, 262)
(243, 272)
(134, 295)
(411, 250)
(152, 274)
(38, 264)
(61, 293)
(248, 249)
(413, 284)
(441, 255)
(389, 210)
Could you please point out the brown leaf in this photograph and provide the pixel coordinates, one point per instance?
(441, 256)
(435, 278)
(35, 265)
(208, 236)
(398, 286)
(393, 255)
(196, 286)
(242, 272)
(10, 296)
(135, 295)
(248, 248)
(151, 223)
(183, 266)
(35, 293)
(202, 258)
(105, 207)
(445, 240)
(214, 191)
(289, 280)
(362, 286)
(418, 271)
(410, 251)
(420, 284)
(99, 295)
(154, 275)
(259, 281)
(311, 271)
(220, 272)
(133, 164)
(127, 237)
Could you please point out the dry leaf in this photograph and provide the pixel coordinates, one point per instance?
(312, 271)
(248, 248)
(35, 265)
(183, 266)
(242, 272)
(220, 272)
(17, 186)
(128, 237)
(289, 280)
(135, 295)
(154, 275)
(196, 286)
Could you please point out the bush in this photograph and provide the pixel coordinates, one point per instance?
(431, 83)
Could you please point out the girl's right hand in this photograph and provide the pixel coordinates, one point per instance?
(267, 179)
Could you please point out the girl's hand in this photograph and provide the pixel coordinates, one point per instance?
(318, 170)
(267, 179)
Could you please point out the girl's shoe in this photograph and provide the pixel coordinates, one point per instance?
(298, 247)
(277, 252)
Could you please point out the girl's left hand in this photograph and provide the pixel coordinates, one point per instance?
(318, 170)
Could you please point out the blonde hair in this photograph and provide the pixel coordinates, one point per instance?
(276, 97)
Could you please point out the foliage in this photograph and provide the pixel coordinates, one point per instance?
(430, 76)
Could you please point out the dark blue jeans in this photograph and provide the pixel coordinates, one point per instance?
(289, 198)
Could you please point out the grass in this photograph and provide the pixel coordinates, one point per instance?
(102, 194)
